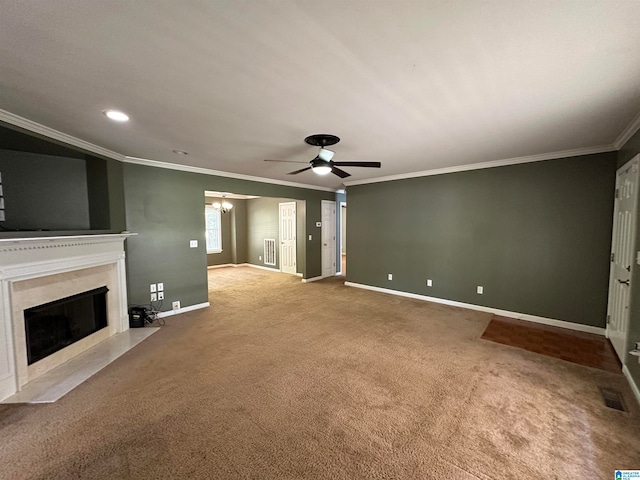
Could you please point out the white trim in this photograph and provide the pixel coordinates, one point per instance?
(218, 173)
(491, 164)
(228, 265)
(253, 266)
(40, 129)
(312, 279)
(260, 267)
(627, 133)
(632, 384)
(48, 132)
(517, 315)
(36, 257)
(339, 209)
(197, 306)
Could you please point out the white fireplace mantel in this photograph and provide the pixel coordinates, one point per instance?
(24, 259)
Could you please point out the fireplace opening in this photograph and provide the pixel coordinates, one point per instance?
(55, 325)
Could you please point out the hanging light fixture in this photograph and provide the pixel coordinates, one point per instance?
(224, 207)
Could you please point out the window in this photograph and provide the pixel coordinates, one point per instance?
(212, 229)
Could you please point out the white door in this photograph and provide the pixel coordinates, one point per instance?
(288, 237)
(622, 261)
(328, 238)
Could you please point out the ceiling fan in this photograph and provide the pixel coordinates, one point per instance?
(322, 164)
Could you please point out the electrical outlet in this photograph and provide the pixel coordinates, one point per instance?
(152, 287)
(193, 243)
(154, 297)
(390, 276)
(160, 287)
(479, 290)
(176, 305)
(429, 283)
(160, 295)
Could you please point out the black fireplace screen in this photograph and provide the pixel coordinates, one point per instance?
(56, 325)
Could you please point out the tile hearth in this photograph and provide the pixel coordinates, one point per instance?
(56, 383)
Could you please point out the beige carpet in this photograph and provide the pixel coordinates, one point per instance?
(280, 379)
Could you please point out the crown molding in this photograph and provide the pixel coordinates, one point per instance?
(48, 132)
(43, 130)
(494, 163)
(628, 132)
(218, 173)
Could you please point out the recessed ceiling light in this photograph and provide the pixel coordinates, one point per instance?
(116, 115)
(180, 152)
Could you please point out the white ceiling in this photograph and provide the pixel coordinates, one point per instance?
(417, 85)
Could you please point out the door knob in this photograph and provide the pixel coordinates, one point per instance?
(625, 282)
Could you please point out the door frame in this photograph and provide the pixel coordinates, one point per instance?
(295, 235)
(339, 245)
(634, 260)
(327, 221)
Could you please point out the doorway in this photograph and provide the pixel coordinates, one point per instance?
(622, 256)
(342, 251)
(328, 238)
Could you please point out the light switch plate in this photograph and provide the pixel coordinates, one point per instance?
(152, 287)
(193, 244)
(160, 287)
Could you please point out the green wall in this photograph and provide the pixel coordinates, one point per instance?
(263, 222)
(165, 208)
(239, 241)
(626, 153)
(230, 221)
(51, 188)
(536, 236)
(44, 191)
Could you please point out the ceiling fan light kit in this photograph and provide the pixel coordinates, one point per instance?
(325, 154)
(323, 164)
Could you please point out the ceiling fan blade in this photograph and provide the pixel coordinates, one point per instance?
(341, 173)
(298, 171)
(358, 164)
(286, 161)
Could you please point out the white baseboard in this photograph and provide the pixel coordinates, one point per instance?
(634, 387)
(197, 306)
(271, 269)
(248, 265)
(312, 279)
(520, 316)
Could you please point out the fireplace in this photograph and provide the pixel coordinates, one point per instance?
(55, 325)
(56, 273)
